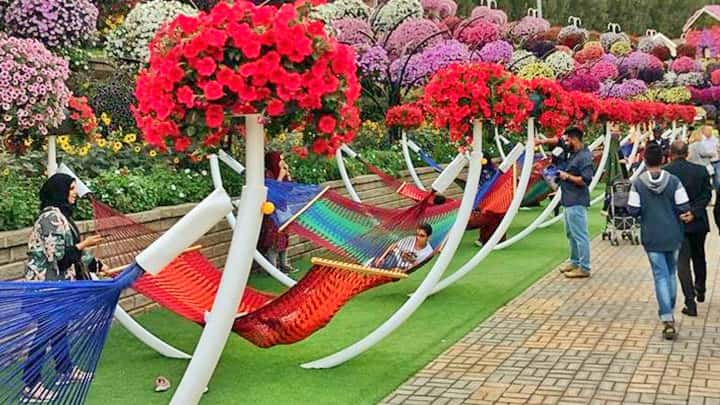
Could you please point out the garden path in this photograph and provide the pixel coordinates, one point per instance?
(591, 340)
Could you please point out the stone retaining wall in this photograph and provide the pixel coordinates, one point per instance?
(13, 244)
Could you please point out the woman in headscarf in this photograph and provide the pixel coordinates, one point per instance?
(272, 243)
(56, 253)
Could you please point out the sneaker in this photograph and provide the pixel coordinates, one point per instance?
(690, 311)
(38, 395)
(478, 243)
(669, 332)
(577, 273)
(566, 267)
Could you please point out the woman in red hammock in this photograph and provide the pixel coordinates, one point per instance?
(273, 243)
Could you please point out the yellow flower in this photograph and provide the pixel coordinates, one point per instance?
(116, 146)
(63, 138)
(83, 151)
(105, 119)
(152, 153)
(137, 149)
(6, 172)
(176, 160)
(28, 142)
(130, 138)
(101, 142)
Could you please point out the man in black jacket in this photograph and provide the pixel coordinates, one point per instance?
(696, 181)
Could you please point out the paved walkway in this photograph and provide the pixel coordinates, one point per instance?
(595, 340)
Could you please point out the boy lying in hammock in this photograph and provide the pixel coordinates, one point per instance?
(407, 252)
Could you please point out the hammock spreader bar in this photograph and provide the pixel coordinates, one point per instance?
(392, 273)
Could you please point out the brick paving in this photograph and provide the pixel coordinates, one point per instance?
(582, 341)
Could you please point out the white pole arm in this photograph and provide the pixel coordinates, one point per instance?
(405, 145)
(499, 144)
(512, 157)
(80, 186)
(451, 172)
(230, 162)
(413, 303)
(52, 165)
(344, 175)
(185, 232)
(234, 277)
(507, 218)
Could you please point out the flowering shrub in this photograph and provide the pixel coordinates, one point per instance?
(131, 39)
(520, 59)
(561, 63)
(205, 72)
(572, 36)
(554, 110)
(604, 70)
(461, 93)
(661, 52)
(624, 90)
(411, 34)
(492, 15)
(535, 70)
(620, 48)
(527, 28)
(341, 9)
(496, 52)
(690, 79)
(353, 31)
(607, 39)
(421, 66)
(674, 95)
(439, 9)
(374, 63)
(477, 33)
(687, 50)
(33, 94)
(389, 15)
(407, 116)
(581, 81)
(55, 23)
(684, 64)
(540, 49)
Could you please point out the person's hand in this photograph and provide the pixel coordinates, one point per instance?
(90, 241)
(562, 175)
(687, 217)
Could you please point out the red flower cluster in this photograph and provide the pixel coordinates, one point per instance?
(459, 94)
(83, 115)
(407, 116)
(206, 71)
(554, 110)
(636, 112)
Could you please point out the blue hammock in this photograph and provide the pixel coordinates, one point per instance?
(53, 333)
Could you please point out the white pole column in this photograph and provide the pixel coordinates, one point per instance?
(409, 162)
(413, 303)
(234, 278)
(539, 8)
(344, 175)
(52, 165)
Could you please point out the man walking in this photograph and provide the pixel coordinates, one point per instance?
(661, 201)
(574, 181)
(696, 181)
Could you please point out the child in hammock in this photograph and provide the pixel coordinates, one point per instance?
(407, 252)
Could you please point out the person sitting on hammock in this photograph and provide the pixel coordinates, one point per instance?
(55, 253)
(407, 252)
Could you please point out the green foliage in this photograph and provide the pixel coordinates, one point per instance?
(18, 200)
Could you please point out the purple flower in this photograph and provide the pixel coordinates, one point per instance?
(709, 95)
(626, 89)
(685, 64)
(527, 28)
(439, 9)
(603, 70)
(492, 15)
(496, 52)
(409, 35)
(373, 63)
(353, 31)
(56, 23)
(421, 66)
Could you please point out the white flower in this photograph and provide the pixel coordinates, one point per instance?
(385, 18)
(561, 63)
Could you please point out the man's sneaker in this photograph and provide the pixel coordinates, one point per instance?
(567, 267)
(577, 273)
(669, 332)
(689, 311)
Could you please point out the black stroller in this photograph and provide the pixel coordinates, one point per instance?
(620, 224)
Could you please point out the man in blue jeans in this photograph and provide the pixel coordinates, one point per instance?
(662, 203)
(575, 199)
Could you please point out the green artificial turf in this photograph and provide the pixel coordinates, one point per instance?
(248, 375)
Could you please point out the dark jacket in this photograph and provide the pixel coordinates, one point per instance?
(579, 164)
(696, 181)
(659, 200)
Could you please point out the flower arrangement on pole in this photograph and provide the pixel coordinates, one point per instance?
(207, 71)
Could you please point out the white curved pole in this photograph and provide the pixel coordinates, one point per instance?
(540, 220)
(413, 303)
(234, 278)
(409, 162)
(344, 174)
(499, 145)
(278, 275)
(507, 219)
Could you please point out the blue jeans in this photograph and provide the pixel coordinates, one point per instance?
(576, 230)
(716, 175)
(664, 268)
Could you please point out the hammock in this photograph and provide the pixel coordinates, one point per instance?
(50, 330)
(357, 232)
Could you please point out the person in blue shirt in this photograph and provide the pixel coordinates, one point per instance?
(574, 180)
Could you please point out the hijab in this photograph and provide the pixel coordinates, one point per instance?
(54, 193)
(272, 164)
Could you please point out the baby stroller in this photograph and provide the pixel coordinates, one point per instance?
(620, 224)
